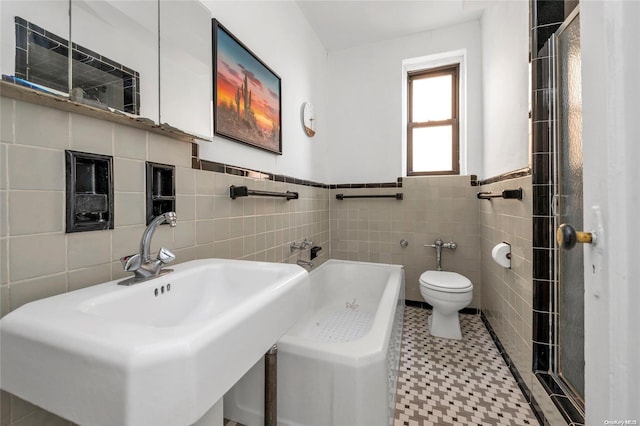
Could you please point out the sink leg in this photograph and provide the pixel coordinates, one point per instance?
(271, 386)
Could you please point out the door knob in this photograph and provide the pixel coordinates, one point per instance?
(567, 237)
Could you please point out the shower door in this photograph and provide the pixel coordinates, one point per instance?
(569, 365)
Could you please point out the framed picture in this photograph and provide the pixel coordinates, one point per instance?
(246, 94)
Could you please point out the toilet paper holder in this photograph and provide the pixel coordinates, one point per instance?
(501, 254)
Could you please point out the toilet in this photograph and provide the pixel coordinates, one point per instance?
(447, 292)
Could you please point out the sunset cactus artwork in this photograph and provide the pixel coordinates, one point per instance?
(247, 95)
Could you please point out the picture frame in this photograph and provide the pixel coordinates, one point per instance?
(247, 99)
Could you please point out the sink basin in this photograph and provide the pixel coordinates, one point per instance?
(161, 352)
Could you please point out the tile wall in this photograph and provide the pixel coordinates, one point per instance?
(432, 207)
(38, 259)
(507, 293)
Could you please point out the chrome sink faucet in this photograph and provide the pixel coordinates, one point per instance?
(141, 264)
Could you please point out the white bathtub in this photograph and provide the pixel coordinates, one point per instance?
(339, 364)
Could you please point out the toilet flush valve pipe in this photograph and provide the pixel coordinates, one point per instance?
(439, 245)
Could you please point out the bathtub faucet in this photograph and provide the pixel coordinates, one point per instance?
(302, 246)
(304, 263)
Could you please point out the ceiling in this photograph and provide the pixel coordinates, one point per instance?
(345, 24)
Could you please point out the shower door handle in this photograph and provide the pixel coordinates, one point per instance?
(567, 237)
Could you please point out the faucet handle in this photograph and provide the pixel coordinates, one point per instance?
(306, 243)
(131, 262)
(165, 256)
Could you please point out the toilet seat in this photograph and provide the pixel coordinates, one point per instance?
(449, 282)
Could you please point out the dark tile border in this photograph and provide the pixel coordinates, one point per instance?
(425, 305)
(570, 412)
(213, 166)
(505, 176)
(535, 407)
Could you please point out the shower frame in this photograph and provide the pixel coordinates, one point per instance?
(546, 294)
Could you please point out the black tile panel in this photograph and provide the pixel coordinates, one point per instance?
(542, 266)
(542, 327)
(541, 170)
(549, 384)
(543, 33)
(570, 413)
(542, 200)
(540, 106)
(543, 296)
(541, 136)
(542, 231)
(548, 12)
(540, 73)
(541, 356)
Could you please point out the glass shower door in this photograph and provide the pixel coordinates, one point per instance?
(569, 209)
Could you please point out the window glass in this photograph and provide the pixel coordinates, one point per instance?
(432, 129)
(432, 148)
(431, 98)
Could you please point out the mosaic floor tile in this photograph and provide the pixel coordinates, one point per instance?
(455, 382)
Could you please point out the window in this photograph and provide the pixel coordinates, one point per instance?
(433, 122)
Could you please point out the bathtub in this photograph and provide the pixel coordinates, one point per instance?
(339, 364)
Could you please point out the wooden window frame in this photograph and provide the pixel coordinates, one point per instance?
(454, 122)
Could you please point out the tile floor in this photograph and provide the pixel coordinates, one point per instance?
(454, 382)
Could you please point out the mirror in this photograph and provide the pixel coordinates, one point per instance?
(115, 57)
(34, 38)
(146, 58)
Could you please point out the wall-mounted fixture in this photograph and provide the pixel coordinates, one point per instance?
(161, 190)
(89, 191)
(242, 191)
(507, 194)
(314, 252)
(397, 196)
(302, 246)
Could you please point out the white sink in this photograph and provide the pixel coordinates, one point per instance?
(115, 355)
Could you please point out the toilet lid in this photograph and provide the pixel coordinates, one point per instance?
(445, 281)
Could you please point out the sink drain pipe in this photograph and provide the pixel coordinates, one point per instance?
(271, 386)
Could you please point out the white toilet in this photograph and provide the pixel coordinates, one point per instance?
(447, 292)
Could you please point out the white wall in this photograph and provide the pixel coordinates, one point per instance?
(365, 95)
(52, 15)
(279, 34)
(505, 75)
